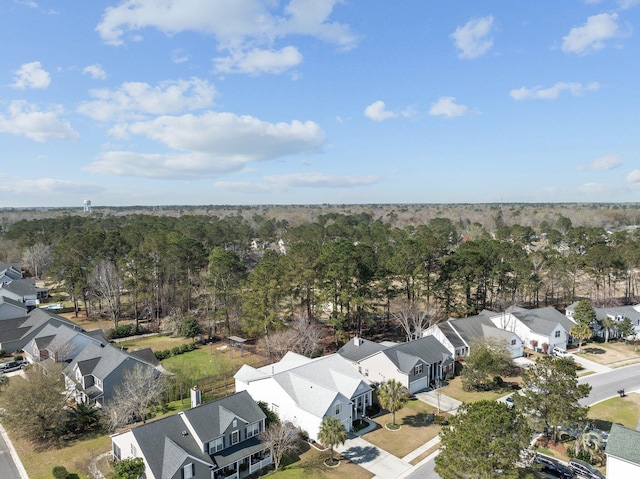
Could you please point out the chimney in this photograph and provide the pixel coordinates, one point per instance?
(356, 341)
(196, 396)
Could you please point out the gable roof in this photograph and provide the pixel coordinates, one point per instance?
(624, 444)
(313, 384)
(13, 302)
(358, 348)
(406, 355)
(168, 442)
(477, 327)
(541, 320)
(451, 334)
(20, 287)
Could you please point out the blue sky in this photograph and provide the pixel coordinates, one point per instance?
(164, 102)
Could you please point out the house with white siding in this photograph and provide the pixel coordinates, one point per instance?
(304, 391)
(623, 453)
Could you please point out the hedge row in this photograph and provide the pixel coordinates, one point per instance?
(175, 351)
(125, 331)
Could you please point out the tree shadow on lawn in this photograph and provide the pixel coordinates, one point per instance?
(359, 455)
(418, 420)
(593, 350)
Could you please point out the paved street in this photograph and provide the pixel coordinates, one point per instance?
(605, 385)
(8, 467)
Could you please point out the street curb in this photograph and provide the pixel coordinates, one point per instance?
(14, 455)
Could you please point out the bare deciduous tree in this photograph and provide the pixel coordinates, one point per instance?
(37, 258)
(282, 439)
(141, 388)
(107, 283)
(302, 337)
(415, 320)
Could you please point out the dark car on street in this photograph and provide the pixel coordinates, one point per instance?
(9, 366)
(553, 468)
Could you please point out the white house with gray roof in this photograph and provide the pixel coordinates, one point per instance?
(458, 335)
(417, 365)
(10, 272)
(623, 453)
(616, 313)
(304, 391)
(215, 440)
(537, 326)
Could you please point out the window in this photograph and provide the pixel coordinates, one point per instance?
(235, 423)
(275, 408)
(253, 430)
(235, 437)
(216, 445)
(557, 334)
(188, 471)
(417, 370)
(134, 451)
(513, 342)
(116, 451)
(366, 372)
(337, 410)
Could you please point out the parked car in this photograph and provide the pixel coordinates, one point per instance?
(551, 467)
(584, 469)
(11, 366)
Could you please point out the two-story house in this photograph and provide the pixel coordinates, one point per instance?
(304, 391)
(417, 365)
(215, 440)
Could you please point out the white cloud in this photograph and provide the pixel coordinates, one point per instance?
(607, 162)
(24, 119)
(594, 188)
(50, 185)
(446, 106)
(378, 112)
(257, 61)
(31, 75)
(96, 71)
(208, 145)
(553, 92)
(246, 29)
(134, 100)
(592, 35)
(473, 39)
(626, 4)
(178, 56)
(634, 176)
(279, 183)
(27, 3)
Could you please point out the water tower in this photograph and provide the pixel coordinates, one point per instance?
(87, 206)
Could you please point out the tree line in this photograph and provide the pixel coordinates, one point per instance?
(357, 272)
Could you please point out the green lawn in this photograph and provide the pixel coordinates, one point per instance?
(309, 465)
(157, 343)
(625, 411)
(454, 390)
(413, 433)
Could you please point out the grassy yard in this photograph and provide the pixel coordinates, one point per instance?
(454, 390)
(157, 343)
(413, 433)
(73, 455)
(213, 359)
(608, 353)
(309, 465)
(625, 411)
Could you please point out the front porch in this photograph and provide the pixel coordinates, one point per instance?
(242, 460)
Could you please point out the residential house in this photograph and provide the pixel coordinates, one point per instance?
(417, 365)
(623, 453)
(616, 313)
(15, 333)
(10, 308)
(538, 328)
(98, 369)
(60, 343)
(216, 440)
(10, 272)
(23, 291)
(458, 335)
(304, 391)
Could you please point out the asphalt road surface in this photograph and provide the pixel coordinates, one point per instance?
(8, 469)
(603, 386)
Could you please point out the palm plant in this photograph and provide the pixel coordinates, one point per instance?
(607, 323)
(591, 442)
(581, 332)
(392, 396)
(332, 433)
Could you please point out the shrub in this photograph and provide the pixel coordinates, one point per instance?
(60, 472)
(18, 357)
(440, 420)
(175, 351)
(120, 332)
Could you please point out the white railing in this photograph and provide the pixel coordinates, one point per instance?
(259, 465)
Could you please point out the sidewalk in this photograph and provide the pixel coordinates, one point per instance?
(590, 365)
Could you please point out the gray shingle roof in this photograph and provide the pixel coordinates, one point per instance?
(477, 327)
(624, 443)
(406, 355)
(451, 335)
(13, 302)
(165, 447)
(363, 349)
(542, 320)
